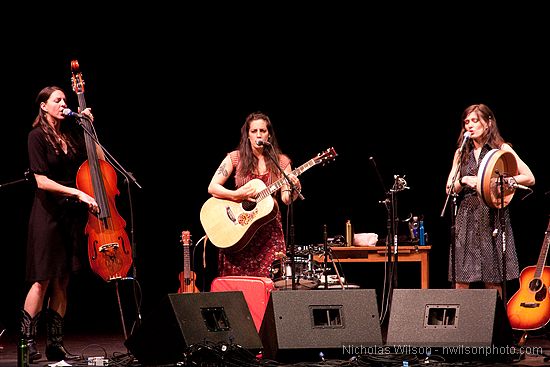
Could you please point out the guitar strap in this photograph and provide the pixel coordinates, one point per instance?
(204, 252)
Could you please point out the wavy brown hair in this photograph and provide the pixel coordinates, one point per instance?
(248, 162)
(42, 121)
(487, 117)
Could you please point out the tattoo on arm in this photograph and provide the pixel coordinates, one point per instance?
(221, 170)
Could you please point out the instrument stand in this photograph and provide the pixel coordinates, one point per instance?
(293, 189)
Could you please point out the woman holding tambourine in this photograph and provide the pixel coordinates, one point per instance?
(489, 171)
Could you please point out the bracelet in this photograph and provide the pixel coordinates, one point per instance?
(461, 183)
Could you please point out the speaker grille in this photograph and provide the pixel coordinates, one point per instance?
(299, 324)
(185, 319)
(447, 317)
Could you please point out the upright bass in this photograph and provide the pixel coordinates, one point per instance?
(109, 249)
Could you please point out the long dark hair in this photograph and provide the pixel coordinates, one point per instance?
(248, 162)
(42, 121)
(487, 117)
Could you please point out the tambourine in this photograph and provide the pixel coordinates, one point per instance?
(495, 164)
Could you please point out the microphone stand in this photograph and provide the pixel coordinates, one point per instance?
(293, 189)
(21, 180)
(454, 210)
(326, 254)
(399, 185)
(128, 177)
(391, 236)
(119, 167)
(502, 225)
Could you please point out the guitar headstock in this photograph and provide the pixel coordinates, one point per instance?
(76, 78)
(326, 156)
(186, 238)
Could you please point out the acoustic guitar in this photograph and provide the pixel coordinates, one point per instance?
(230, 225)
(187, 277)
(529, 307)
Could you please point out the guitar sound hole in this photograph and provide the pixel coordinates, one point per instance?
(535, 284)
(248, 205)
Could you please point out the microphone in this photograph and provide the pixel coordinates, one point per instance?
(262, 143)
(515, 185)
(68, 112)
(466, 137)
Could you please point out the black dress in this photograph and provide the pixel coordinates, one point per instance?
(56, 239)
(478, 251)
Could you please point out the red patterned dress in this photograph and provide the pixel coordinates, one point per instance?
(256, 258)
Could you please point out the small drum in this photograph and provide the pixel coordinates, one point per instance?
(306, 270)
(496, 163)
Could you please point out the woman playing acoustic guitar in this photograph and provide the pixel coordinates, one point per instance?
(250, 162)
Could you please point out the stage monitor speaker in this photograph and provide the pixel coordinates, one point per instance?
(188, 319)
(463, 318)
(300, 324)
(256, 292)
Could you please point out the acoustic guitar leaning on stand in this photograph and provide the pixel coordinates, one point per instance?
(529, 307)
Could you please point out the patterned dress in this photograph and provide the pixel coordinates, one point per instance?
(478, 251)
(256, 258)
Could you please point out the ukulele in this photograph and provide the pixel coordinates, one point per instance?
(529, 307)
(187, 277)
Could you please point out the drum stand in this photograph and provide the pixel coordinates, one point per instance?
(327, 253)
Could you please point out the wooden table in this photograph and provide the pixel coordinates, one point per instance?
(376, 254)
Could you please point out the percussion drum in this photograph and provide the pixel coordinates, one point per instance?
(307, 273)
(495, 164)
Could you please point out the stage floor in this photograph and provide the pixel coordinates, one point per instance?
(111, 347)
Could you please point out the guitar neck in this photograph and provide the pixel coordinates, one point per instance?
(543, 253)
(280, 182)
(186, 262)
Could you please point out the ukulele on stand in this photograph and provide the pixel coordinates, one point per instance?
(187, 277)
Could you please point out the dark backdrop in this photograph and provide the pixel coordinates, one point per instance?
(169, 101)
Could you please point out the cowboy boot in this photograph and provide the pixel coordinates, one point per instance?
(28, 332)
(55, 350)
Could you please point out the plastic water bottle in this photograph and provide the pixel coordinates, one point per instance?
(23, 353)
(421, 234)
(349, 233)
(413, 226)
